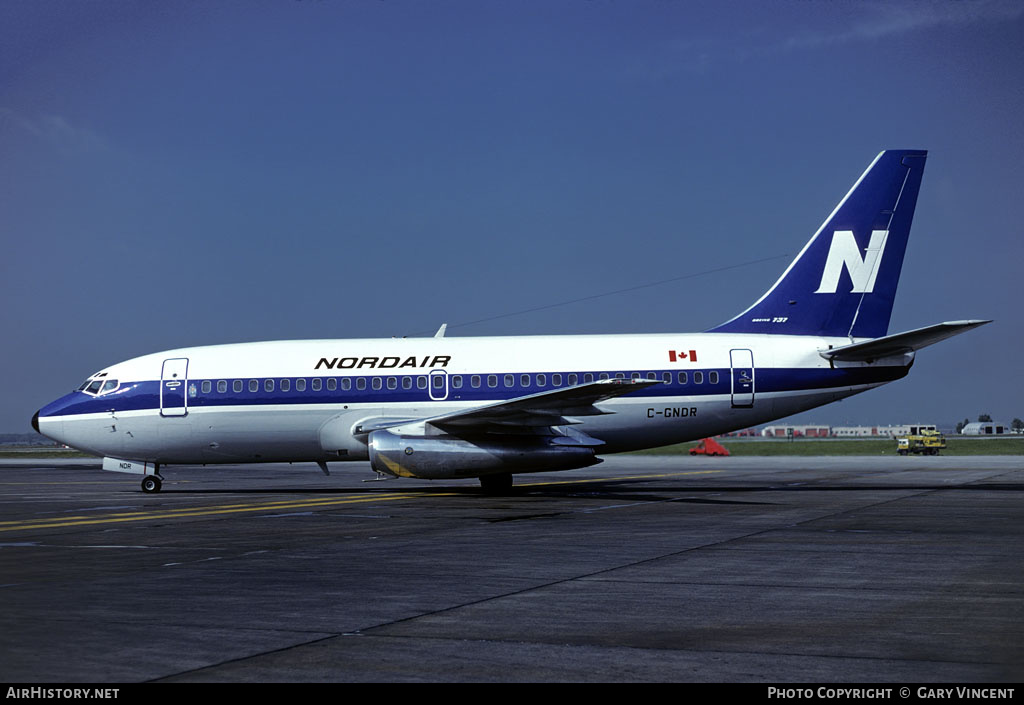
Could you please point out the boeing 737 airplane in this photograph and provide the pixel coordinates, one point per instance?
(490, 407)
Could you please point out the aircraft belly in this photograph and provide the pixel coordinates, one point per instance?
(141, 439)
(255, 434)
(207, 436)
(652, 422)
(789, 403)
(94, 434)
(649, 423)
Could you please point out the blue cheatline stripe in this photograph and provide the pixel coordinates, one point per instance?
(135, 396)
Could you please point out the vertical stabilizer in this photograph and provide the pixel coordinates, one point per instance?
(843, 283)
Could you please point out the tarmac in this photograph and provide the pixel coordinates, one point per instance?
(773, 570)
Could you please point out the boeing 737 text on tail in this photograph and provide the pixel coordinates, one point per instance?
(491, 407)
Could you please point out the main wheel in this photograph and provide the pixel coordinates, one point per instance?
(151, 484)
(496, 484)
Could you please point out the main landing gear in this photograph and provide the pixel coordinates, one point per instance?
(496, 484)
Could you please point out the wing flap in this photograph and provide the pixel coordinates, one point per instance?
(545, 409)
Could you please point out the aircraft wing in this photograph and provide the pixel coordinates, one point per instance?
(543, 409)
(899, 343)
(546, 408)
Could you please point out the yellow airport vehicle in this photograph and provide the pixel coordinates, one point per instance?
(925, 443)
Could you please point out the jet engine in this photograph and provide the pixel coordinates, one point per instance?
(446, 457)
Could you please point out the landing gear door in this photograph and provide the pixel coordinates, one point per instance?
(173, 381)
(742, 362)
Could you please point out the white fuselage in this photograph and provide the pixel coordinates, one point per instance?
(305, 400)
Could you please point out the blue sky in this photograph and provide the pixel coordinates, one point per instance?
(208, 172)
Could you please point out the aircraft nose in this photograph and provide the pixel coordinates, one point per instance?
(35, 421)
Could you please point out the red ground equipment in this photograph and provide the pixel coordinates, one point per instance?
(709, 446)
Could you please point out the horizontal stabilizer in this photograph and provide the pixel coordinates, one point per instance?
(900, 343)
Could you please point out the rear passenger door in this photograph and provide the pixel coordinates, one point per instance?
(742, 362)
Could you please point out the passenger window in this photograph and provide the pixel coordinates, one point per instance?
(300, 385)
(652, 375)
(421, 382)
(406, 382)
(207, 386)
(457, 381)
(361, 383)
(634, 375)
(475, 381)
(682, 378)
(237, 385)
(222, 386)
(509, 381)
(620, 375)
(346, 383)
(286, 384)
(573, 379)
(392, 382)
(492, 380)
(524, 380)
(588, 378)
(254, 385)
(438, 381)
(376, 383)
(666, 377)
(556, 380)
(268, 385)
(317, 384)
(713, 377)
(604, 375)
(698, 378)
(542, 380)
(332, 384)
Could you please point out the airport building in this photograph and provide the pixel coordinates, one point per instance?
(817, 431)
(984, 428)
(807, 431)
(857, 431)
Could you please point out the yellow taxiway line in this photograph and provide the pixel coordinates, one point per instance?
(320, 503)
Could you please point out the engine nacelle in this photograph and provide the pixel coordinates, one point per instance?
(446, 457)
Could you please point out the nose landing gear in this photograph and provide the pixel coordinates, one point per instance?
(151, 484)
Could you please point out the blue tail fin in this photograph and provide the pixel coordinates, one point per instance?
(843, 283)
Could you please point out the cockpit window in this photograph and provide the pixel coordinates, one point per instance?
(98, 385)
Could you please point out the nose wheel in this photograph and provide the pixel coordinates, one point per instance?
(151, 484)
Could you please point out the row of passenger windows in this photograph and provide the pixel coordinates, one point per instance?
(332, 384)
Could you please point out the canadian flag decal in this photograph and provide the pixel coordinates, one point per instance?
(682, 356)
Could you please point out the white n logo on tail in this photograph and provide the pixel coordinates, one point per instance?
(845, 253)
